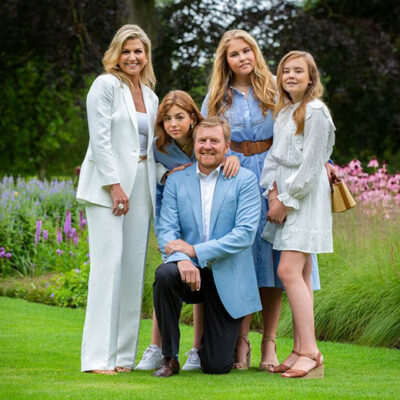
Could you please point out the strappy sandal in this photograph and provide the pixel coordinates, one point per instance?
(122, 369)
(266, 365)
(243, 365)
(313, 373)
(282, 367)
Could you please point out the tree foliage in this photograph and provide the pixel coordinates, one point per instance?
(355, 44)
(52, 50)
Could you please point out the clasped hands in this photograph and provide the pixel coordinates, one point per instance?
(190, 274)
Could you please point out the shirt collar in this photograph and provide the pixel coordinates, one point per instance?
(212, 173)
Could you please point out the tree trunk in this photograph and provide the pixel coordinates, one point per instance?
(141, 12)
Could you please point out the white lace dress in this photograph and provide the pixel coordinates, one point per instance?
(296, 164)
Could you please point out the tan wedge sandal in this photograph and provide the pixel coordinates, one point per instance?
(313, 373)
(243, 365)
(266, 365)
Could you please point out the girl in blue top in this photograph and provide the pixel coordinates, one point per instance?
(173, 148)
(243, 90)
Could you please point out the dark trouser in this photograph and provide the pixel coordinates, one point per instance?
(217, 350)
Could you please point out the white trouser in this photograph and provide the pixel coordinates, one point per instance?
(117, 248)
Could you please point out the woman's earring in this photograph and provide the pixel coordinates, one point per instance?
(191, 125)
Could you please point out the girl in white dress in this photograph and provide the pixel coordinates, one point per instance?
(299, 217)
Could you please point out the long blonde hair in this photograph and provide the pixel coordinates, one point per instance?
(262, 80)
(314, 91)
(112, 55)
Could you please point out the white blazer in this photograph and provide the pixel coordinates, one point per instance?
(113, 152)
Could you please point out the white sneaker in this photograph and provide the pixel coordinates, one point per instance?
(151, 358)
(193, 360)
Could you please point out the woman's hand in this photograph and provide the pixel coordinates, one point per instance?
(331, 170)
(277, 212)
(119, 197)
(180, 168)
(230, 166)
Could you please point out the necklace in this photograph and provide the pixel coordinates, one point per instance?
(187, 148)
(242, 89)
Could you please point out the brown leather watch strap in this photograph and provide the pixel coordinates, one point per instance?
(249, 148)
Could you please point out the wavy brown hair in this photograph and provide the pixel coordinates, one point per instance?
(113, 54)
(174, 98)
(261, 77)
(314, 91)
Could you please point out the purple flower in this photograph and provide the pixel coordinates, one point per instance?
(82, 221)
(2, 253)
(67, 224)
(45, 234)
(52, 295)
(59, 252)
(77, 270)
(8, 255)
(87, 255)
(59, 235)
(76, 240)
(71, 253)
(2, 248)
(38, 230)
(73, 233)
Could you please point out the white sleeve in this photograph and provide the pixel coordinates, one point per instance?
(317, 133)
(99, 110)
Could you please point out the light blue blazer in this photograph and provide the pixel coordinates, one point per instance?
(234, 220)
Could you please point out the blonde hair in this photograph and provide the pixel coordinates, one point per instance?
(212, 122)
(174, 98)
(314, 91)
(261, 77)
(113, 54)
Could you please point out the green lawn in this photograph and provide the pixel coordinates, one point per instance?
(40, 359)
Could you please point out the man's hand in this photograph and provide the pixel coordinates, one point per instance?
(181, 246)
(190, 274)
(277, 212)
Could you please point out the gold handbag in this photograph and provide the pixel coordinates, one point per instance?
(342, 200)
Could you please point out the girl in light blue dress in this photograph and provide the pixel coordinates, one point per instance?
(243, 90)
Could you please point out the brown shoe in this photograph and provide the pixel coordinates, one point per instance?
(282, 367)
(316, 372)
(168, 367)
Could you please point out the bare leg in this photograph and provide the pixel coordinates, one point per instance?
(155, 332)
(271, 300)
(198, 324)
(294, 270)
(242, 346)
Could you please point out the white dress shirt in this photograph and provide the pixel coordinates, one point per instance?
(207, 188)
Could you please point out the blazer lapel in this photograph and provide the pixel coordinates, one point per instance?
(130, 105)
(193, 188)
(221, 189)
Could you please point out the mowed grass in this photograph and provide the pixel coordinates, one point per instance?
(40, 359)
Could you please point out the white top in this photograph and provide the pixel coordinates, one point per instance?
(207, 188)
(296, 164)
(143, 128)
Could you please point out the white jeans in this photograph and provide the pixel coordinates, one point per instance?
(117, 248)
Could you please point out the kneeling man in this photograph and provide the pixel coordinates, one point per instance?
(206, 228)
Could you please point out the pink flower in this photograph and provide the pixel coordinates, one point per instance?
(373, 163)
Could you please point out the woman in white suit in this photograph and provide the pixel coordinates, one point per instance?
(117, 184)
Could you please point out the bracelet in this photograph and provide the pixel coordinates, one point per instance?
(272, 198)
(270, 201)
